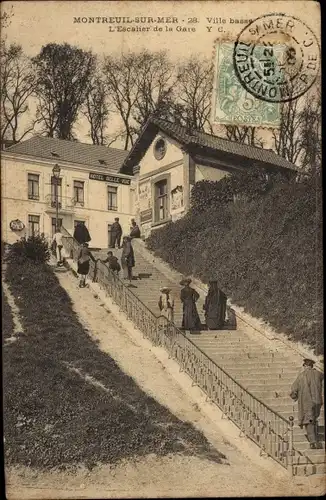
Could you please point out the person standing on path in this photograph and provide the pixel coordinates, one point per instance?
(166, 304)
(116, 233)
(57, 241)
(127, 258)
(215, 307)
(83, 263)
(189, 297)
(81, 233)
(307, 390)
(134, 230)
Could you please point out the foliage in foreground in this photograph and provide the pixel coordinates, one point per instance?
(265, 250)
(34, 248)
(53, 417)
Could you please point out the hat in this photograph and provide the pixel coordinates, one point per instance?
(308, 362)
(165, 289)
(185, 281)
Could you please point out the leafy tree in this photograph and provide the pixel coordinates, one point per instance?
(63, 74)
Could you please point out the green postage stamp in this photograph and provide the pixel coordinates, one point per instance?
(232, 104)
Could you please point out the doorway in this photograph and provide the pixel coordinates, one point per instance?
(109, 235)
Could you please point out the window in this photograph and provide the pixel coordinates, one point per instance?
(112, 198)
(33, 187)
(79, 192)
(56, 182)
(161, 200)
(159, 149)
(54, 226)
(33, 225)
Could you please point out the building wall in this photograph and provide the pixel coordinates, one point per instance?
(150, 164)
(16, 205)
(209, 173)
(181, 173)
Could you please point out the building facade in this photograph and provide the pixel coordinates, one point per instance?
(167, 160)
(90, 189)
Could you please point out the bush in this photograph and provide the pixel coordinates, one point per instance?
(35, 248)
(265, 251)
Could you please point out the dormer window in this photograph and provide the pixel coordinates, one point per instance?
(53, 153)
(102, 162)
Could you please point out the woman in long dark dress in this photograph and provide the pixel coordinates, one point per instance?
(81, 233)
(127, 258)
(189, 297)
(215, 307)
(83, 263)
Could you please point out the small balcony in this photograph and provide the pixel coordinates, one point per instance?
(65, 204)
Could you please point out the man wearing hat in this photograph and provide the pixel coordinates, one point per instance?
(166, 303)
(307, 390)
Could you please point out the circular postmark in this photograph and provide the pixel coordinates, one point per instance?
(276, 58)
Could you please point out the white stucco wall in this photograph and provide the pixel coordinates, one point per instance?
(209, 173)
(150, 164)
(16, 205)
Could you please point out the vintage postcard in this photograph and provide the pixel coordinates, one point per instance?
(161, 247)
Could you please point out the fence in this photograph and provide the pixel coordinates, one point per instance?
(268, 429)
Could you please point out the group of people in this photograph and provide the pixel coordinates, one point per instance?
(82, 235)
(214, 306)
(116, 232)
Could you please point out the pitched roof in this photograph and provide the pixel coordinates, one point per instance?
(197, 138)
(72, 152)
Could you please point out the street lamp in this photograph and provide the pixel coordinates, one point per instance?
(56, 175)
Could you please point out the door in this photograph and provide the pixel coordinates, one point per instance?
(109, 235)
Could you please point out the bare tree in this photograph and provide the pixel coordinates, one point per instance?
(287, 140)
(121, 82)
(156, 81)
(298, 138)
(243, 135)
(96, 110)
(194, 93)
(310, 135)
(63, 77)
(17, 87)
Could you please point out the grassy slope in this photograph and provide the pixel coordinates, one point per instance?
(52, 416)
(266, 255)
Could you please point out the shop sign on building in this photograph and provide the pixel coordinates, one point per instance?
(109, 178)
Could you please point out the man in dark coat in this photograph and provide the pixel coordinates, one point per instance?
(307, 390)
(134, 230)
(81, 233)
(116, 233)
(127, 258)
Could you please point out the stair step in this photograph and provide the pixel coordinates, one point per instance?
(307, 470)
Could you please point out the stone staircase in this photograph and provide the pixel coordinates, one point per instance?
(267, 373)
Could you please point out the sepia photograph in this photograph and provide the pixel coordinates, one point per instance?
(161, 249)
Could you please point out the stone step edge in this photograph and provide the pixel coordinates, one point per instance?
(265, 330)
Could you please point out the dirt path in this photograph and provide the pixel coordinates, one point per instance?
(174, 475)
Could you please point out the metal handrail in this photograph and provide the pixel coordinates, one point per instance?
(272, 432)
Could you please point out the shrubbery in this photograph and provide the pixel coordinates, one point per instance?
(35, 248)
(265, 250)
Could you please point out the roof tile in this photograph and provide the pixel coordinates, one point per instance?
(72, 152)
